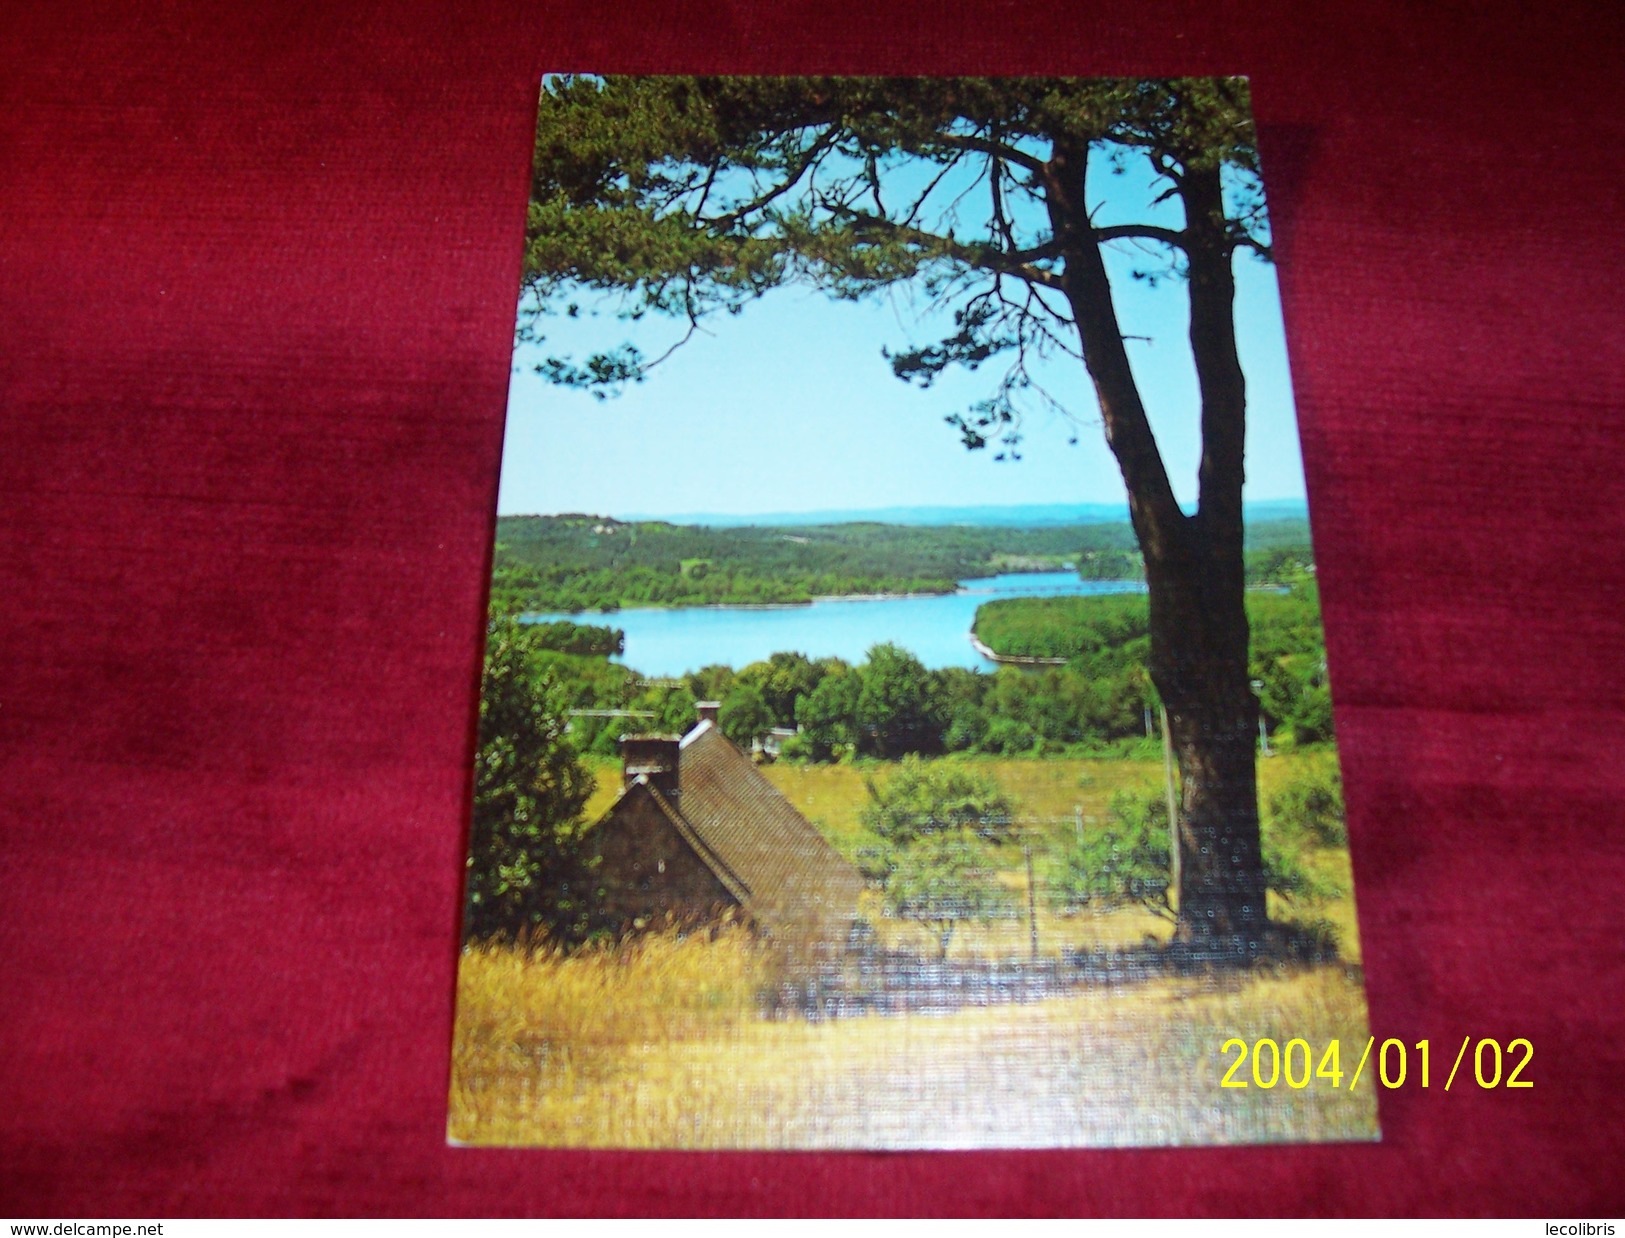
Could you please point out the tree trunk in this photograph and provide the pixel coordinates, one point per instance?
(1199, 664)
(1199, 634)
(1221, 894)
(1195, 571)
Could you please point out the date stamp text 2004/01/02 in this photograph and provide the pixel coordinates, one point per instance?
(1266, 1063)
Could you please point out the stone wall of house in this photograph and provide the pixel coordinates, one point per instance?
(647, 871)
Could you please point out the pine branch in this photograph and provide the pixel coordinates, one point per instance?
(984, 257)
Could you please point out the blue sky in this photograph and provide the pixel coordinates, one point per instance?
(790, 406)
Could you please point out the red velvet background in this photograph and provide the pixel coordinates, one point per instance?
(259, 267)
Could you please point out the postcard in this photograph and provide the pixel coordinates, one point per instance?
(905, 719)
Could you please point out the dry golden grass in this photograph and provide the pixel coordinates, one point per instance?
(1060, 935)
(536, 1023)
(663, 1042)
(661, 1045)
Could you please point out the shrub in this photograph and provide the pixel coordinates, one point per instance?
(1311, 805)
(1125, 863)
(1286, 875)
(798, 749)
(1128, 862)
(1008, 737)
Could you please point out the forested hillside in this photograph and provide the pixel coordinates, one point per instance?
(1104, 640)
(576, 563)
(1278, 551)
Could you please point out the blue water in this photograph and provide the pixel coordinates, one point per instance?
(667, 642)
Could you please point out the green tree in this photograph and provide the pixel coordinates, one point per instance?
(695, 195)
(939, 825)
(959, 704)
(1289, 662)
(783, 680)
(895, 713)
(711, 683)
(928, 797)
(744, 716)
(1009, 737)
(828, 717)
(586, 639)
(673, 707)
(944, 880)
(524, 872)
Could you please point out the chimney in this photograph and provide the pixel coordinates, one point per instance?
(707, 710)
(653, 757)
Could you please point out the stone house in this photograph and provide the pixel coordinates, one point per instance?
(697, 833)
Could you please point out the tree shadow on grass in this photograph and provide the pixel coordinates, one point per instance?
(874, 980)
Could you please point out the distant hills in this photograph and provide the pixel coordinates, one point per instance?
(1024, 516)
(575, 562)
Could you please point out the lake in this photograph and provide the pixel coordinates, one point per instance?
(663, 642)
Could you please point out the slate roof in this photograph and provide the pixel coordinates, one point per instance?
(785, 875)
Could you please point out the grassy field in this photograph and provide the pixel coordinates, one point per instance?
(660, 1044)
(1056, 794)
(1056, 787)
(666, 1042)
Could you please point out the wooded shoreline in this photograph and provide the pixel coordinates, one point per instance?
(1011, 659)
